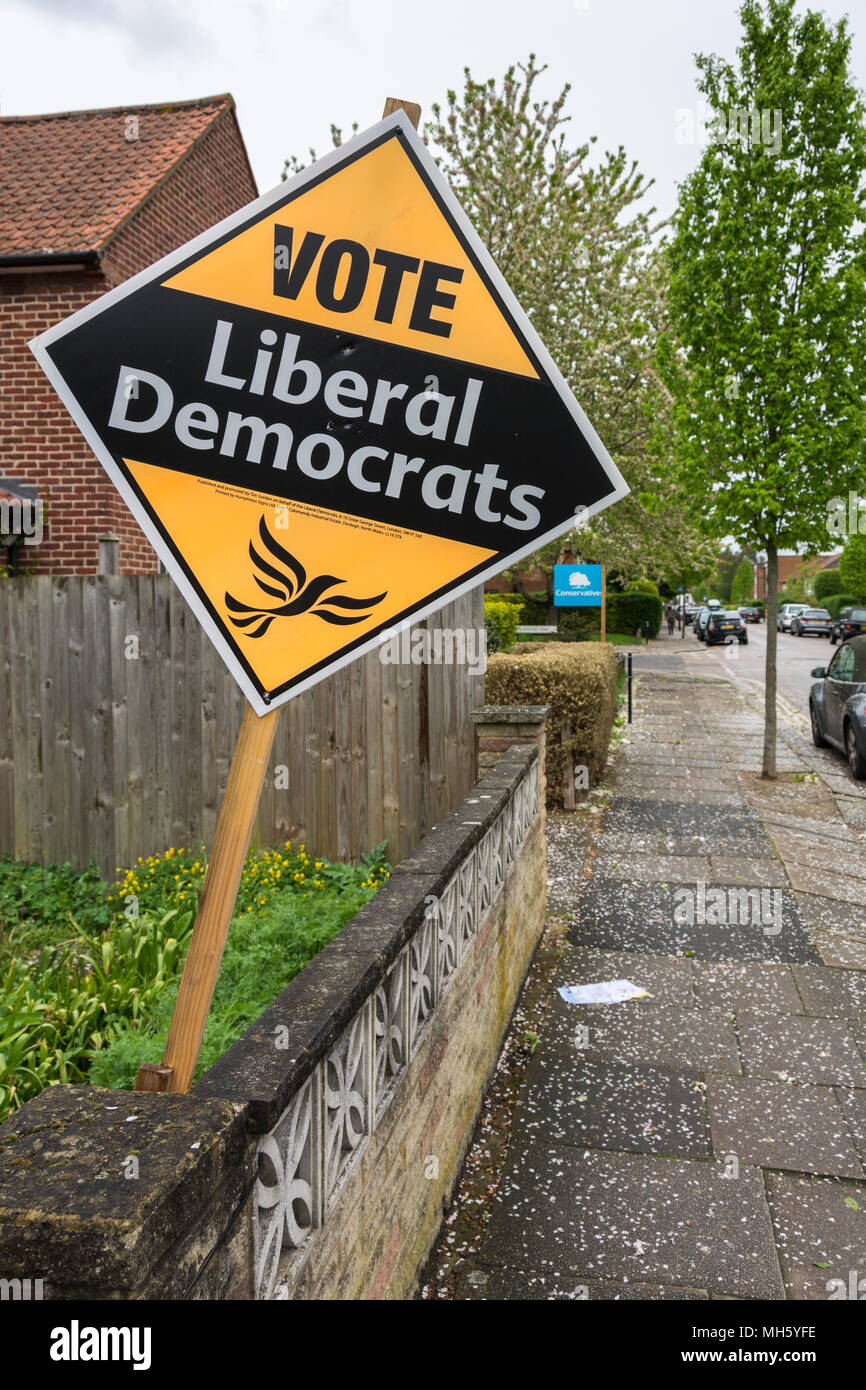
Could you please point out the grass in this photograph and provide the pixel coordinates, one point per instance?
(89, 970)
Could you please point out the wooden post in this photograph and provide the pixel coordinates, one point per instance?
(226, 862)
(412, 109)
(603, 608)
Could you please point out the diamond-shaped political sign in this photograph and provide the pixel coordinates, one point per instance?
(329, 414)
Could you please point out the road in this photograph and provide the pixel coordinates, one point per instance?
(796, 658)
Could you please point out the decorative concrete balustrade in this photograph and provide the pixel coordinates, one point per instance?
(314, 1158)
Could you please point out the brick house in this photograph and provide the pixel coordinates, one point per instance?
(789, 564)
(89, 199)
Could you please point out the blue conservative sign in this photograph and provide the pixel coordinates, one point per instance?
(577, 586)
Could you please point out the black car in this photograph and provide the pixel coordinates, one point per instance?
(812, 620)
(851, 622)
(837, 704)
(725, 625)
(750, 615)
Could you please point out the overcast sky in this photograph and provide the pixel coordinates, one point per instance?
(294, 66)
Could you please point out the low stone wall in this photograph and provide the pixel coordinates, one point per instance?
(313, 1160)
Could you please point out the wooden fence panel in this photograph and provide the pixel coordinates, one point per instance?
(118, 721)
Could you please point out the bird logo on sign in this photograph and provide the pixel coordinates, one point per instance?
(296, 594)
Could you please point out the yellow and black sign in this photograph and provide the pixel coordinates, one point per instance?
(329, 414)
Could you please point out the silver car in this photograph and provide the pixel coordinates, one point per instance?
(787, 613)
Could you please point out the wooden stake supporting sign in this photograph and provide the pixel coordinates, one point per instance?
(603, 606)
(231, 842)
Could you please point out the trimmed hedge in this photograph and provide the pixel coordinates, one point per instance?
(626, 613)
(579, 683)
(837, 601)
(501, 621)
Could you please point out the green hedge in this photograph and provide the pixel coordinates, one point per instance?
(501, 620)
(534, 608)
(577, 624)
(579, 683)
(826, 584)
(629, 613)
(837, 601)
(625, 613)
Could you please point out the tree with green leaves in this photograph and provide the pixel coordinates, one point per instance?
(852, 567)
(741, 584)
(768, 297)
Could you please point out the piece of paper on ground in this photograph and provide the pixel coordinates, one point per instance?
(604, 992)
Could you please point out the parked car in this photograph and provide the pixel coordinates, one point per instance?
(725, 625)
(837, 704)
(815, 620)
(701, 623)
(691, 613)
(751, 615)
(787, 613)
(850, 623)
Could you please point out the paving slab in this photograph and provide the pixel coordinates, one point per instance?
(720, 830)
(614, 915)
(820, 1236)
(650, 1220)
(827, 883)
(796, 1048)
(774, 1124)
(652, 868)
(760, 985)
(567, 1099)
(810, 852)
(765, 873)
(830, 993)
(642, 1032)
(838, 930)
(853, 811)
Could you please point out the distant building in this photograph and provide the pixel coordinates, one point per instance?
(788, 567)
(89, 199)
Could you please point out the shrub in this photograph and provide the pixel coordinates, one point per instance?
(852, 566)
(501, 620)
(629, 613)
(578, 624)
(579, 683)
(642, 586)
(837, 601)
(827, 583)
(534, 607)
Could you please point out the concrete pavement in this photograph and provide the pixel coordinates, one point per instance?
(707, 1140)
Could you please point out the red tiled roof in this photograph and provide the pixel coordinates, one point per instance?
(70, 180)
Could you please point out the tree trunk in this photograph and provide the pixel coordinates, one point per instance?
(772, 609)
